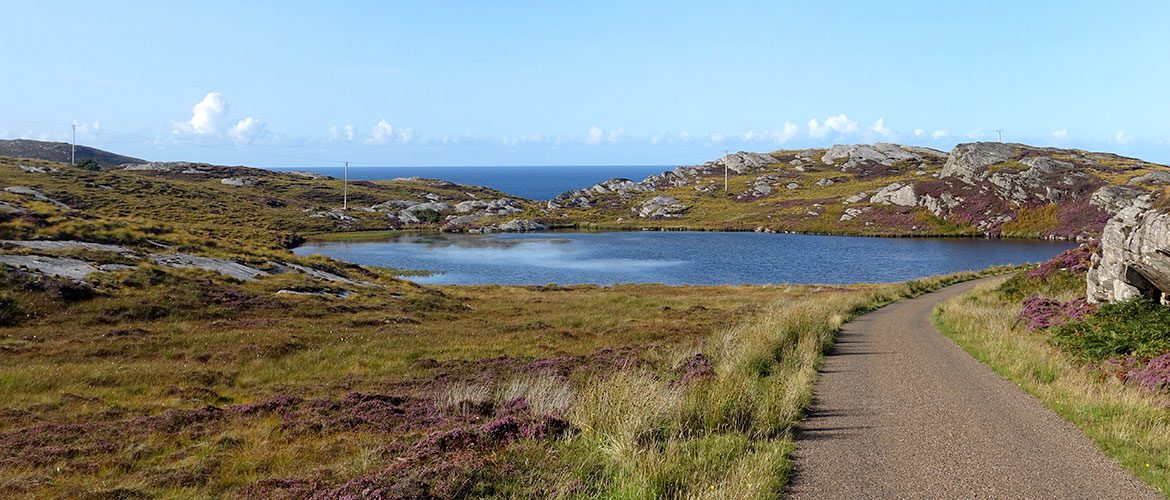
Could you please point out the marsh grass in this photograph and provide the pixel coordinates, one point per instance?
(1130, 425)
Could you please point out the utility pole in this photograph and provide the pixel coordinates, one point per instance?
(725, 153)
(1000, 132)
(73, 148)
(345, 188)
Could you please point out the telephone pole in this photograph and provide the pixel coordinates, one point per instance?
(1000, 132)
(73, 148)
(345, 188)
(725, 153)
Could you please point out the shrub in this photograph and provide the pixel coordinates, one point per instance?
(10, 311)
(1156, 374)
(1136, 327)
(1040, 312)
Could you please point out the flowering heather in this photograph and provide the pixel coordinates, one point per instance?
(1040, 312)
(1156, 375)
(1075, 261)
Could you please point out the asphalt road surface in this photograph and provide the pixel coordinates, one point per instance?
(902, 412)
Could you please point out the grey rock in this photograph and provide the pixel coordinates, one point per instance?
(62, 267)
(43, 245)
(339, 294)
(792, 185)
(435, 206)
(37, 195)
(315, 273)
(969, 162)
(661, 206)
(521, 226)
(238, 181)
(1134, 257)
(1156, 178)
(469, 205)
(852, 213)
(335, 214)
(883, 153)
(742, 162)
(896, 194)
(393, 205)
(857, 198)
(1112, 199)
(228, 268)
(940, 205)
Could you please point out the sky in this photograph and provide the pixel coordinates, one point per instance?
(291, 83)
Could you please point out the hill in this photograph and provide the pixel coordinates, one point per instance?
(59, 152)
(988, 189)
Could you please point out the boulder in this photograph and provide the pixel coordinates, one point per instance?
(238, 181)
(853, 155)
(742, 162)
(1112, 199)
(896, 194)
(521, 226)
(1134, 257)
(661, 207)
(393, 205)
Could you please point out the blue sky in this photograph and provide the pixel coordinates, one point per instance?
(552, 83)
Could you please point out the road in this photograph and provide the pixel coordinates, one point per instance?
(902, 412)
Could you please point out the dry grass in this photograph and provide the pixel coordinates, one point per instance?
(1130, 425)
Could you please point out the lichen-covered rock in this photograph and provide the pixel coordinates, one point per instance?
(1112, 199)
(521, 226)
(225, 267)
(1154, 178)
(61, 267)
(855, 155)
(970, 161)
(896, 194)
(238, 181)
(662, 207)
(1134, 257)
(37, 195)
(742, 162)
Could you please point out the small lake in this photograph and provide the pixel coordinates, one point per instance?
(681, 258)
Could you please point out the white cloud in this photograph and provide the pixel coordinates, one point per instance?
(879, 127)
(385, 133)
(919, 132)
(940, 134)
(346, 133)
(247, 130)
(1121, 137)
(841, 124)
(1060, 135)
(716, 137)
(594, 136)
(524, 139)
(787, 132)
(815, 129)
(208, 116)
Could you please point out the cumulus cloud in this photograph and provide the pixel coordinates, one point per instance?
(345, 133)
(879, 127)
(919, 132)
(247, 130)
(523, 139)
(1121, 137)
(385, 133)
(1060, 135)
(841, 124)
(778, 136)
(207, 116)
(940, 134)
(594, 136)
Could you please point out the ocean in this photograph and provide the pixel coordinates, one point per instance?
(533, 182)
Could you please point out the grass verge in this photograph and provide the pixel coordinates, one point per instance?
(1130, 425)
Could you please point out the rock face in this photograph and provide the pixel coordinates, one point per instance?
(970, 162)
(896, 194)
(661, 207)
(1134, 258)
(743, 162)
(854, 155)
(238, 181)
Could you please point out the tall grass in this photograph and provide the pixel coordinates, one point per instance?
(728, 435)
(1130, 425)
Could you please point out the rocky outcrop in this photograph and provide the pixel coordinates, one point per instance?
(522, 226)
(896, 194)
(238, 181)
(36, 195)
(852, 156)
(1134, 257)
(1113, 199)
(585, 198)
(970, 162)
(1155, 178)
(743, 162)
(225, 267)
(660, 207)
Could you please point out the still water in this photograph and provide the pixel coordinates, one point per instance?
(680, 258)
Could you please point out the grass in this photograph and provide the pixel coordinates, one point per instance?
(1130, 425)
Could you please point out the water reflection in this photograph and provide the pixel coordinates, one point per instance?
(681, 257)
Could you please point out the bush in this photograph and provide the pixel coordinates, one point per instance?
(1156, 375)
(1136, 327)
(10, 311)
